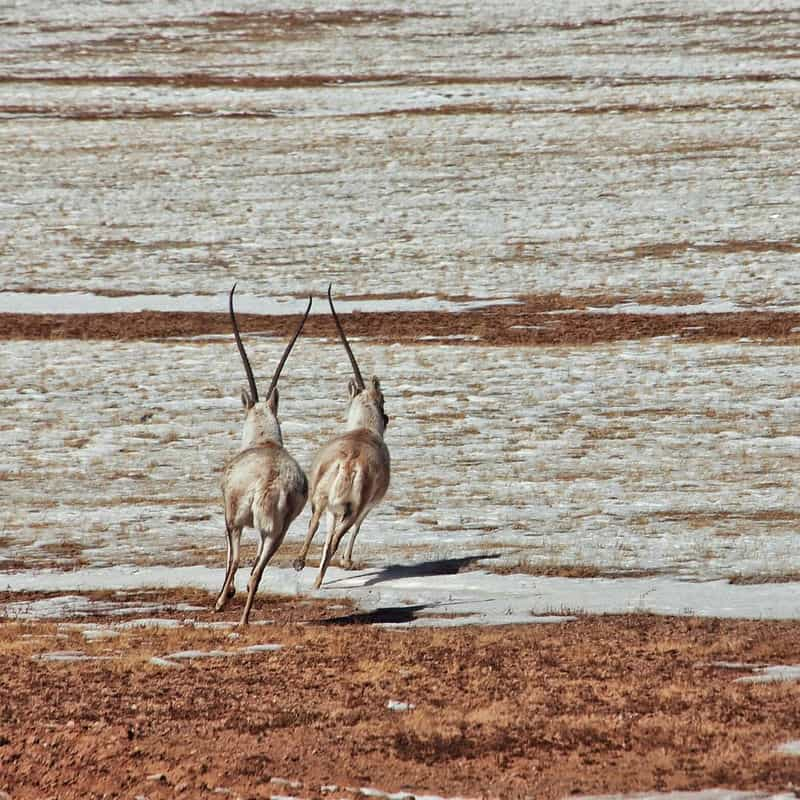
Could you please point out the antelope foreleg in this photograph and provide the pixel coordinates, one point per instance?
(232, 564)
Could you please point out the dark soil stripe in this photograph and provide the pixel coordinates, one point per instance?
(518, 325)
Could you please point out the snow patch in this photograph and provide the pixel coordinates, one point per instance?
(262, 648)
(173, 659)
(418, 598)
(399, 705)
(69, 655)
(96, 634)
(90, 303)
(781, 672)
(193, 654)
(157, 661)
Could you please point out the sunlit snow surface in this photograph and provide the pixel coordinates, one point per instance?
(477, 150)
(463, 148)
(156, 153)
(87, 303)
(653, 460)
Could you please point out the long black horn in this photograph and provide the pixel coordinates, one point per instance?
(288, 350)
(356, 370)
(250, 379)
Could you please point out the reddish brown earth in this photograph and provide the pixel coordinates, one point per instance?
(547, 320)
(600, 704)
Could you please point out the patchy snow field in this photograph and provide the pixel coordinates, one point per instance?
(481, 149)
(420, 157)
(652, 460)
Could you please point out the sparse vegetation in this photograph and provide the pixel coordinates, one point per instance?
(558, 168)
(607, 704)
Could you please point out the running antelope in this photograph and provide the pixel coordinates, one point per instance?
(262, 487)
(350, 474)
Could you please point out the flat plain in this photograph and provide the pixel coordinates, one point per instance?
(563, 237)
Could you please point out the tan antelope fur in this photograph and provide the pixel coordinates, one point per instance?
(350, 474)
(262, 487)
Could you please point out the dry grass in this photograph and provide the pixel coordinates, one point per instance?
(180, 501)
(556, 569)
(696, 519)
(524, 324)
(221, 27)
(76, 441)
(751, 580)
(66, 548)
(672, 249)
(544, 569)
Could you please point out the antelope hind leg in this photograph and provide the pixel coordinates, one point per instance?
(347, 561)
(335, 533)
(313, 524)
(268, 547)
(326, 550)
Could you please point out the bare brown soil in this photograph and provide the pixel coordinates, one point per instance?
(197, 80)
(446, 109)
(601, 704)
(546, 320)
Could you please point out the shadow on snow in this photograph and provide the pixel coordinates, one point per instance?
(426, 569)
(398, 615)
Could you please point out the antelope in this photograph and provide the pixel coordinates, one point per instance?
(350, 474)
(262, 487)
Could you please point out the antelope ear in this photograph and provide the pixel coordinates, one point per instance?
(376, 384)
(247, 401)
(352, 388)
(272, 402)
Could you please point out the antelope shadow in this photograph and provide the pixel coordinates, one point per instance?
(426, 569)
(396, 615)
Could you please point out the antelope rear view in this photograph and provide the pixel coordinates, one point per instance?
(350, 474)
(262, 487)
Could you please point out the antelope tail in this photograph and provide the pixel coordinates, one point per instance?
(346, 490)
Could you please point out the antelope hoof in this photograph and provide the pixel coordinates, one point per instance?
(318, 582)
(299, 563)
(222, 600)
(347, 563)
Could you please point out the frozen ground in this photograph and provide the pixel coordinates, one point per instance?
(88, 303)
(413, 596)
(710, 794)
(54, 302)
(479, 149)
(651, 461)
(476, 151)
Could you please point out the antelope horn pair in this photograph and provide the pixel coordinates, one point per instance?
(248, 369)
